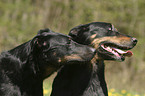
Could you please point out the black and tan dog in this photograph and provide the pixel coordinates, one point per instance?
(23, 69)
(90, 80)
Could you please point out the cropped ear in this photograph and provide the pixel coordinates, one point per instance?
(39, 41)
(44, 31)
(81, 28)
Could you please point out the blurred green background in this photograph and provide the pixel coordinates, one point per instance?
(21, 19)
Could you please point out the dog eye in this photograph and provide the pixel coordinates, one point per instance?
(110, 31)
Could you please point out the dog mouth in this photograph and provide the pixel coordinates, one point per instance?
(117, 50)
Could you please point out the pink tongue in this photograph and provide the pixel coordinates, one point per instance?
(128, 53)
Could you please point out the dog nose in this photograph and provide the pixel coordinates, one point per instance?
(134, 40)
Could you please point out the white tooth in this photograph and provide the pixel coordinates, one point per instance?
(109, 48)
(120, 51)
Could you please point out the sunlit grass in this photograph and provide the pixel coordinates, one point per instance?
(112, 92)
(46, 92)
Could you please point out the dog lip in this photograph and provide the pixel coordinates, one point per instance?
(111, 50)
(117, 52)
(119, 46)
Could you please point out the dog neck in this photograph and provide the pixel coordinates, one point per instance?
(97, 81)
(21, 51)
(28, 77)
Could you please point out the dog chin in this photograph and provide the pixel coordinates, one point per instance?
(120, 59)
(111, 57)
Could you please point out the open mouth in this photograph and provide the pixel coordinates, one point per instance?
(116, 50)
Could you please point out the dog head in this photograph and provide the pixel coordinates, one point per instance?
(105, 38)
(55, 49)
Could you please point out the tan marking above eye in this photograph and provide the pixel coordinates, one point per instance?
(72, 57)
(59, 60)
(54, 53)
(93, 36)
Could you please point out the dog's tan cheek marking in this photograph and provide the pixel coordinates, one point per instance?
(73, 57)
(95, 43)
(93, 36)
(120, 40)
(114, 39)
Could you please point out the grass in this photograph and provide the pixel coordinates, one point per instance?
(47, 85)
(47, 89)
(112, 92)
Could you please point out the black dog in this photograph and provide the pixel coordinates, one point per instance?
(23, 69)
(90, 80)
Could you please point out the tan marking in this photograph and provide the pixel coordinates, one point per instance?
(114, 39)
(59, 60)
(93, 36)
(72, 57)
(54, 53)
(96, 57)
(124, 38)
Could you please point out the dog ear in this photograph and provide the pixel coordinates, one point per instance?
(43, 31)
(39, 41)
(73, 32)
(81, 28)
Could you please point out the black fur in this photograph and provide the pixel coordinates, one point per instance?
(23, 69)
(90, 81)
